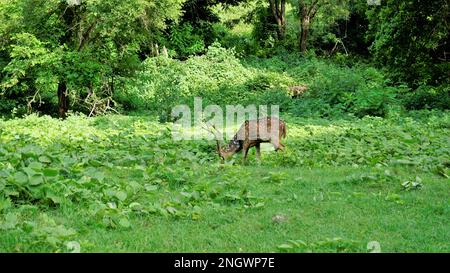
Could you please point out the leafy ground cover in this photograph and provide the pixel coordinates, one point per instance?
(120, 183)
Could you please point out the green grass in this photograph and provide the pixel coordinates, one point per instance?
(123, 185)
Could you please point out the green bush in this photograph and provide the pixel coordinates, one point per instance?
(428, 97)
(11, 107)
(372, 101)
(314, 107)
(360, 91)
(185, 41)
(218, 77)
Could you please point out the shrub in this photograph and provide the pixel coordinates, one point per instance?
(218, 77)
(372, 101)
(428, 97)
(356, 90)
(185, 41)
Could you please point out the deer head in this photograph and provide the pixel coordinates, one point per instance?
(228, 150)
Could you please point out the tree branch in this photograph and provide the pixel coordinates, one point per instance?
(313, 8)
(273, 8)
(86, 34)
(283, 8)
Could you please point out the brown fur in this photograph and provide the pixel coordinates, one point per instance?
(297, 90)
(251, 134)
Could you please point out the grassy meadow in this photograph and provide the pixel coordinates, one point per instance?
(121, 184)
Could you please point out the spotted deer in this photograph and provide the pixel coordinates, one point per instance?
(251, 134)
(297, 91)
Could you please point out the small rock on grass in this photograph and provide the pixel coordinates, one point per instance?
(279, 218)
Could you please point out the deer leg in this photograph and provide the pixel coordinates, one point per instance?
(245, 149)
(258, 151)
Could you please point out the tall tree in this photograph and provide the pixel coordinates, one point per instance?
(201, 15)
(76, 46)
(278, 9)
(412, 39)
(308, 10)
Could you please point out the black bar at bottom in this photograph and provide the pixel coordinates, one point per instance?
(220, 262)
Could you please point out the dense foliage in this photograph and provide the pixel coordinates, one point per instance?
(219, 77)
(56, 50)
(412, 38)
(79, 55)
(363, 87)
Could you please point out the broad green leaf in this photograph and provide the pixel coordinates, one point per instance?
(149, 187)
(35, 166)
(121, 195)
(49, 172)
(44, 159)
(10, 221)
(124, 222)
(36, 180)
(20, 178)
(55, 198)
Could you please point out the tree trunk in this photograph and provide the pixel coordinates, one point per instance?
(63, 99)
(282, 24)
(306, 14)
(278, 8)
(305, 23)
(282, 29)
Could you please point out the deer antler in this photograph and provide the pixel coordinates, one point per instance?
(216, 134)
